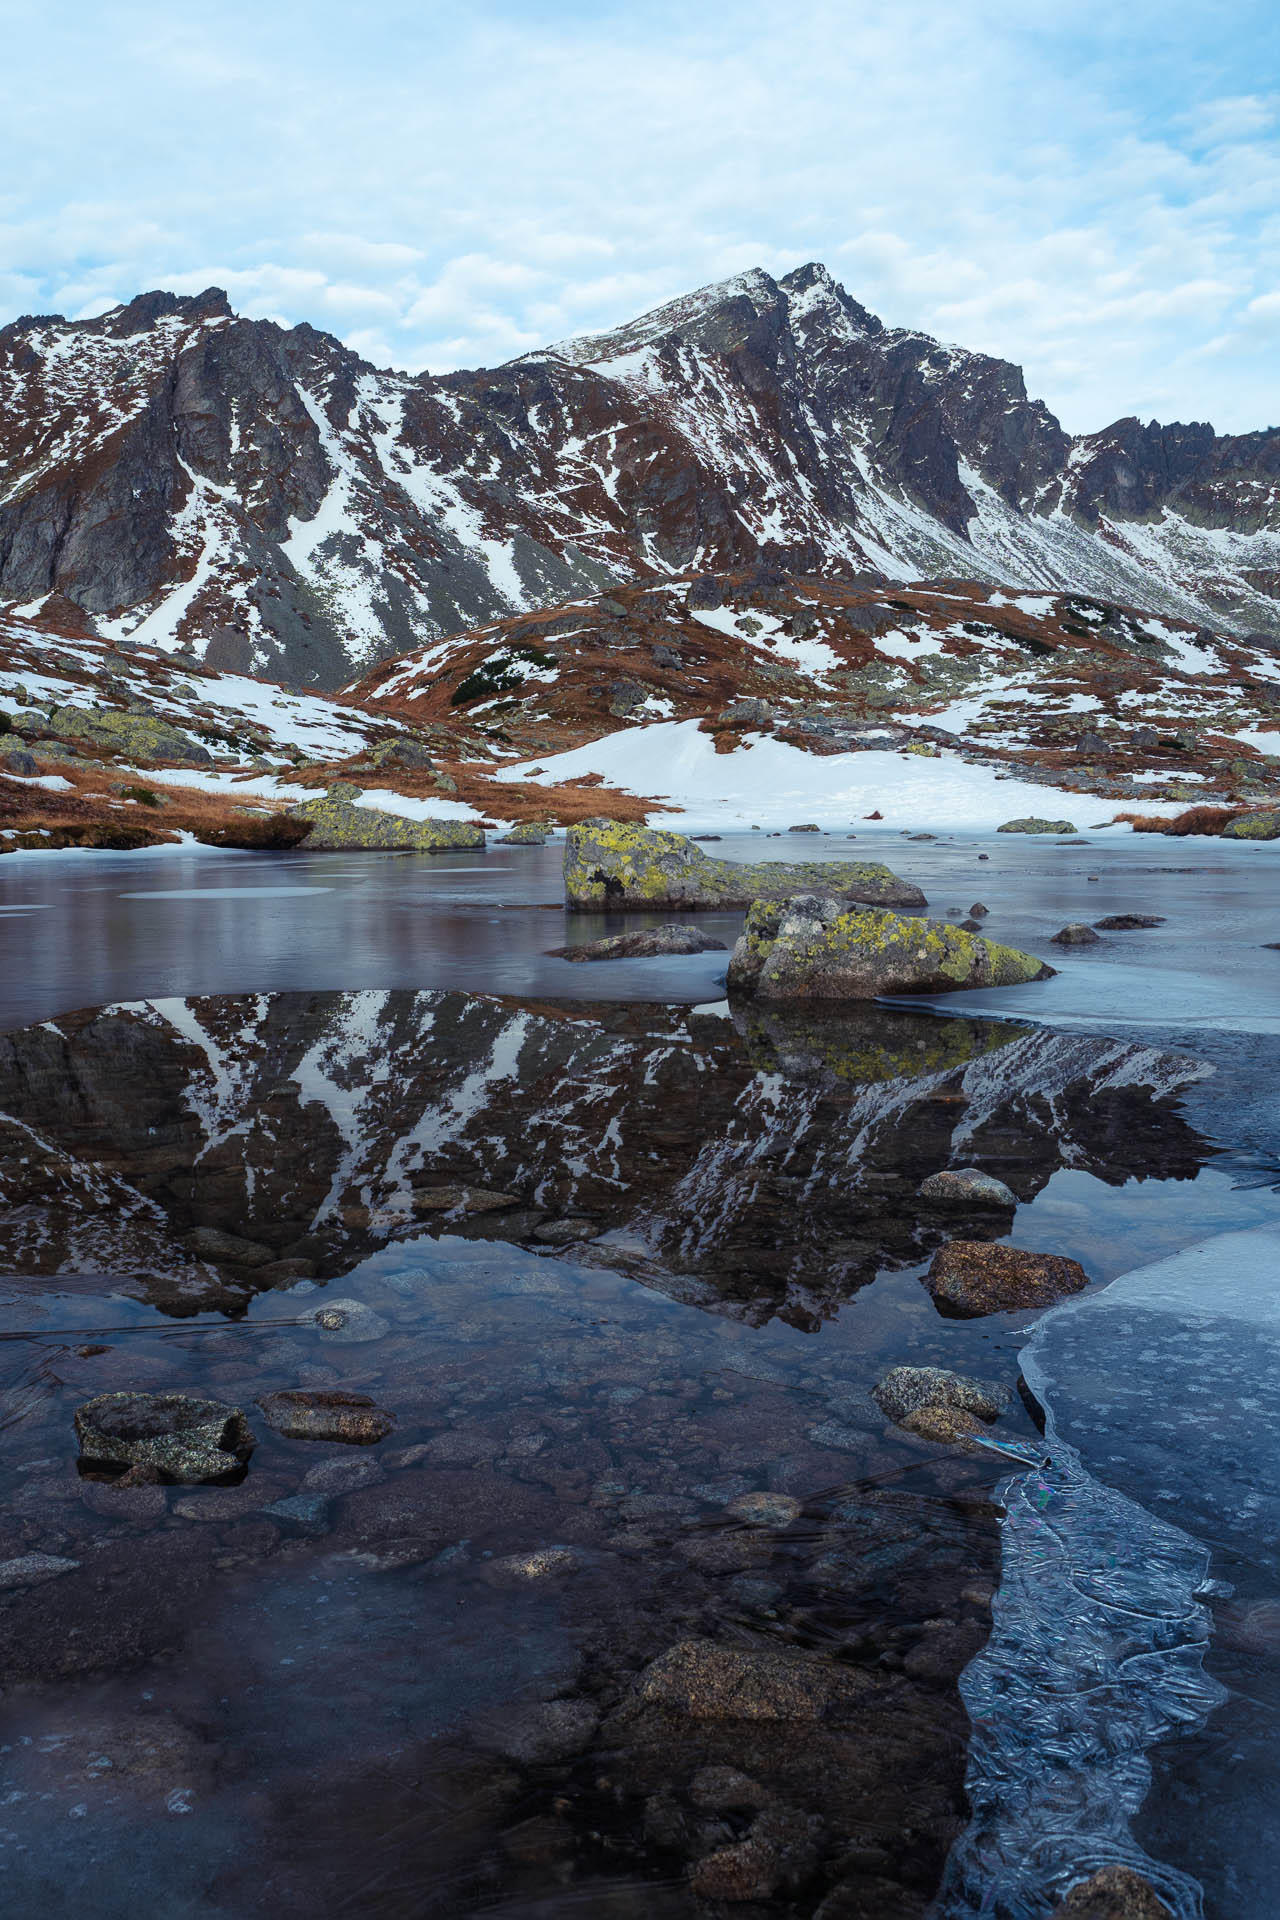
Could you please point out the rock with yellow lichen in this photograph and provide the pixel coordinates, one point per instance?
(614, 864)
(814, 947)
(339, 823)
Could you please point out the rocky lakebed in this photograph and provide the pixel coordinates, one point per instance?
(510, 1409)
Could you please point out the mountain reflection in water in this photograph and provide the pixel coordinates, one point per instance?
(762, 1165)
(642, 1609)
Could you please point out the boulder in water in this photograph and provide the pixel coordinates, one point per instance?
(813, 947)
(614, 864)
(183, 1438)
(969, 1278)
(1128, 922)
(1075, 934)
(527, 833)
(905, 1391)
(1033, 824)
(350, 1419)
(966, 1187)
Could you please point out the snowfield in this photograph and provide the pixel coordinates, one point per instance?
(767, 783)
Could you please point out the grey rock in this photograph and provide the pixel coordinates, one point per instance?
(339, 824)
(1032, 823)
(1075, 934)
(646, 943)
(226, 1249)
(905, 1390)
(347, 1322)
(528, 833)
(305, 1513)
(33, 1569)
(20, 762)
(966, 1187)
(186, 1439)
(450, 1199)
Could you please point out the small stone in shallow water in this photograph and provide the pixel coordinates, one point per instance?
(966, 1186)
(1075, 934)
(709, 1680)
(905, 1390)
(347, 1322)
(977, 911)
(301, 1513)
(567, 1233)
(542, 1564)
(461, 1200)
(644, 944)
(969, 1278)
(765, 1509)
(748, 1869)
(33, 1569)
(553, 1730)
(1113, 1893)
(185, 1439)
(351, 1419)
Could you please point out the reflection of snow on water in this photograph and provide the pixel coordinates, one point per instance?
(1099, 1634)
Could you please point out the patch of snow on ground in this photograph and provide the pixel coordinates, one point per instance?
(767, 783)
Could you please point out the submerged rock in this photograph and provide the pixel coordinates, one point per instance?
(814, 947)
(969, 1278)
(185, 1439)
(966, 1187)
(351, 1419)
(609, 863)
(461, 1200)
(1075, 934)
(33, 1569)
(1113, 1893)
(1128, 922)
(1033, 824)
(338, 824)
(644, 944)
(904, 1391)
(707, 1680)
(1263, 825)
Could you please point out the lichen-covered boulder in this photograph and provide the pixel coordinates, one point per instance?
(1262, 825)
(966, 1187)
(1034, 824)
(614, 864)
(339, 824)
(816, 948)
(141, 736)
(527, 833)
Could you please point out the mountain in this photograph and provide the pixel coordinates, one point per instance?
(174, 476)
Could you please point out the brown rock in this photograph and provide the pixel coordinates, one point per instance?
(329, 1414)
(748, 1870)
(1113, 1893)
(461, 1200)
(710, 1681)
(970, 1277)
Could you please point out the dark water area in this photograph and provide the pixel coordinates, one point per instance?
(641, 1607)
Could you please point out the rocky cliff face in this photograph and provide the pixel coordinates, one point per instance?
(176, 476)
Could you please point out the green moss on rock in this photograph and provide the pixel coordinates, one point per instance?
(338, 824)
(1033, 824)
(140, 736)
(814, 947)
(615, 864)
(1263, 825)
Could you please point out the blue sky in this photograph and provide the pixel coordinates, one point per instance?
(1092, 191)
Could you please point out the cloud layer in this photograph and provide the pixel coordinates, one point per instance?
(1096, 198)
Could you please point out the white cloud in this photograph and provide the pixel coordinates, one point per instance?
(446, 186)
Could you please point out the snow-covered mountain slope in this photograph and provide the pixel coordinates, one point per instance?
(173, 476)
(1064, 688)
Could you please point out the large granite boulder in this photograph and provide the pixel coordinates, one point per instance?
(816, 948)
(339, 824)
(139, 736)
(1262, 825)
(614, 864)
(174, 1436)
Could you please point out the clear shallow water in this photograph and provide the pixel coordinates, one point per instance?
(757, 1269)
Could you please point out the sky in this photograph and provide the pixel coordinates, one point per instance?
(1090, 190)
